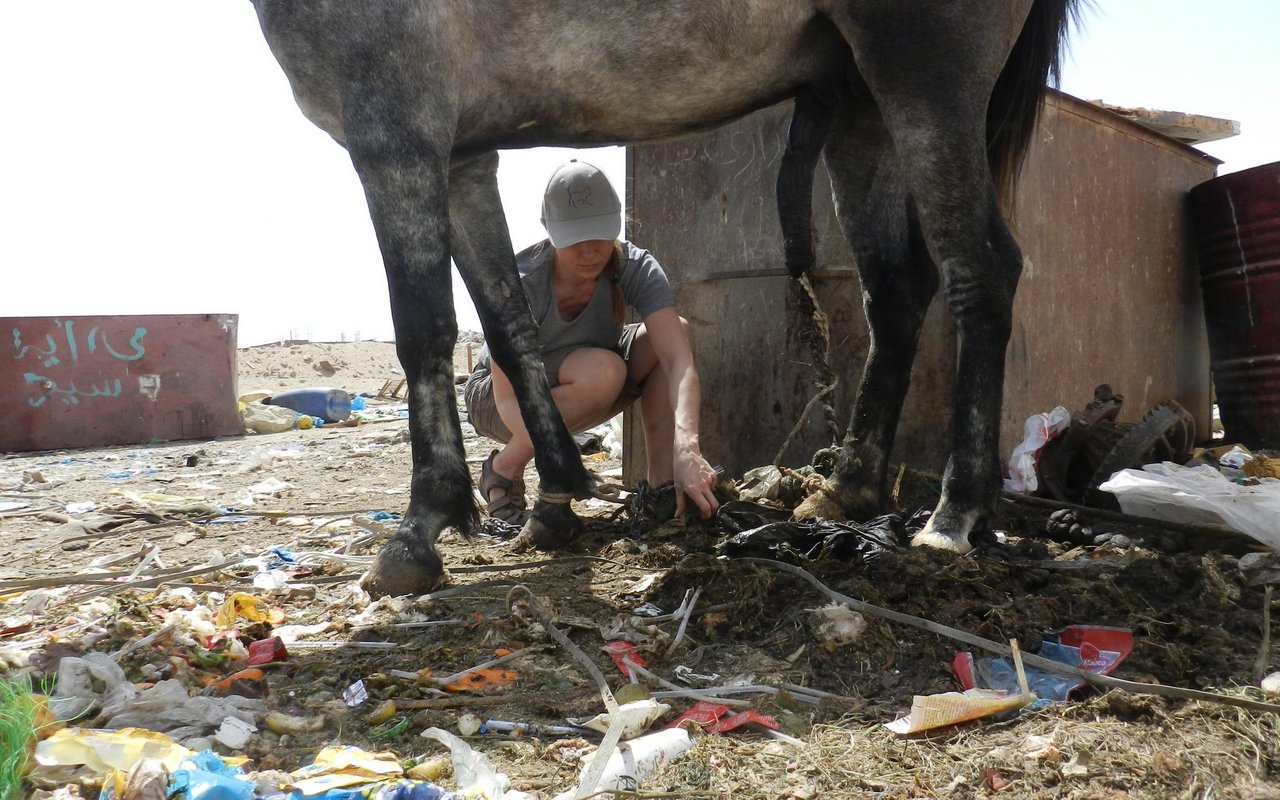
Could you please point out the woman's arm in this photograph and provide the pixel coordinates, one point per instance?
(694, 477)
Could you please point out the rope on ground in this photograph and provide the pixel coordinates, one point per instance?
(795, 431)
(814, 330)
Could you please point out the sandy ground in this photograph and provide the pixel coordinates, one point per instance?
(89, 535)
(358, 367)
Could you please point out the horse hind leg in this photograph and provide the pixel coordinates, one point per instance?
(405, 179)
(933, 99)
(898, 280)
(482, 250)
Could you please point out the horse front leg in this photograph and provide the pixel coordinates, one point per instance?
(898, 282)
(980, 264)
(981, 279)
(404, 171)
(482, 250)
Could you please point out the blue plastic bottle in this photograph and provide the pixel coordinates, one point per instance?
(331, 405)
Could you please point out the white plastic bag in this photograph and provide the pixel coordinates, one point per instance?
(82, 683)
(168, 708)
(1037, 431)
(635, 718)
(1200, 495)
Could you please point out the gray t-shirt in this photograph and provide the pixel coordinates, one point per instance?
(644, 285)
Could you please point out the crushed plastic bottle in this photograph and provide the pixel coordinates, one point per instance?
(635, 760)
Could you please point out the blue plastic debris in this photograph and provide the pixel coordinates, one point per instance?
(205, 776)
(1090, 647)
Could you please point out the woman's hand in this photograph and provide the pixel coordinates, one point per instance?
(696, 481)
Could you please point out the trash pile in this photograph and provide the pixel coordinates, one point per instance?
(214, 641)
(195, 706)
(1150, 469)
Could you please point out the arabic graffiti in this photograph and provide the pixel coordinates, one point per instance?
(64, 348)
(50, 354)
(70, 394)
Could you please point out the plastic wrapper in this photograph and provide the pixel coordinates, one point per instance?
(1037, 431)
(1092, 648)
(951, 708)
(242, 605)
(337, 767)
(103, 751)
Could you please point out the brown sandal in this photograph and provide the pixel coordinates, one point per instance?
(510, 507)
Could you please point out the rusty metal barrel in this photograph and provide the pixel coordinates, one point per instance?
(1236, 219)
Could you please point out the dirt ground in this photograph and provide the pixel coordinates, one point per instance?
(77, 523)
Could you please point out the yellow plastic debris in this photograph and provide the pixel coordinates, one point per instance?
(385, 711)
(104, 751)
(952, 708)
(242, 604)
(338, 766)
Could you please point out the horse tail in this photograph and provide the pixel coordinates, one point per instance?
(1016, 100)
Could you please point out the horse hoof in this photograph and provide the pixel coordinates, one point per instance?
(551, 527)
(821, 504)
(952, 542)
(403, 570)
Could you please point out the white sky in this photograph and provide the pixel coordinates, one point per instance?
(152, 160)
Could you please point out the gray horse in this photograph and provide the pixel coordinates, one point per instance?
(914, 105)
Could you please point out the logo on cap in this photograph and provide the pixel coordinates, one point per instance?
(578, 198)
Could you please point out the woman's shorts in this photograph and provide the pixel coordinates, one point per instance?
(482, 410)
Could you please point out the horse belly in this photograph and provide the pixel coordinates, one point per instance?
(615, 100)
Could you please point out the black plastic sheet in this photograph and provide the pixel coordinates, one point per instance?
(811, 538)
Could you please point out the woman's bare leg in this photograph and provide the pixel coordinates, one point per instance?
(590, 381)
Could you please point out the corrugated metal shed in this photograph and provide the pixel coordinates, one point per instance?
(1109, 293)
(89, 381)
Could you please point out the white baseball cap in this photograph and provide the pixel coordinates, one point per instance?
(579, 205)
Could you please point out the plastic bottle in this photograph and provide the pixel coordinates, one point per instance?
(331, 405)
(634, 761)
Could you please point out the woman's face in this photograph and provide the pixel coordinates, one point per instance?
(584, 260)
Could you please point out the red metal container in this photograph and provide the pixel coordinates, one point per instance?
(1236, 219)
(90, 381)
